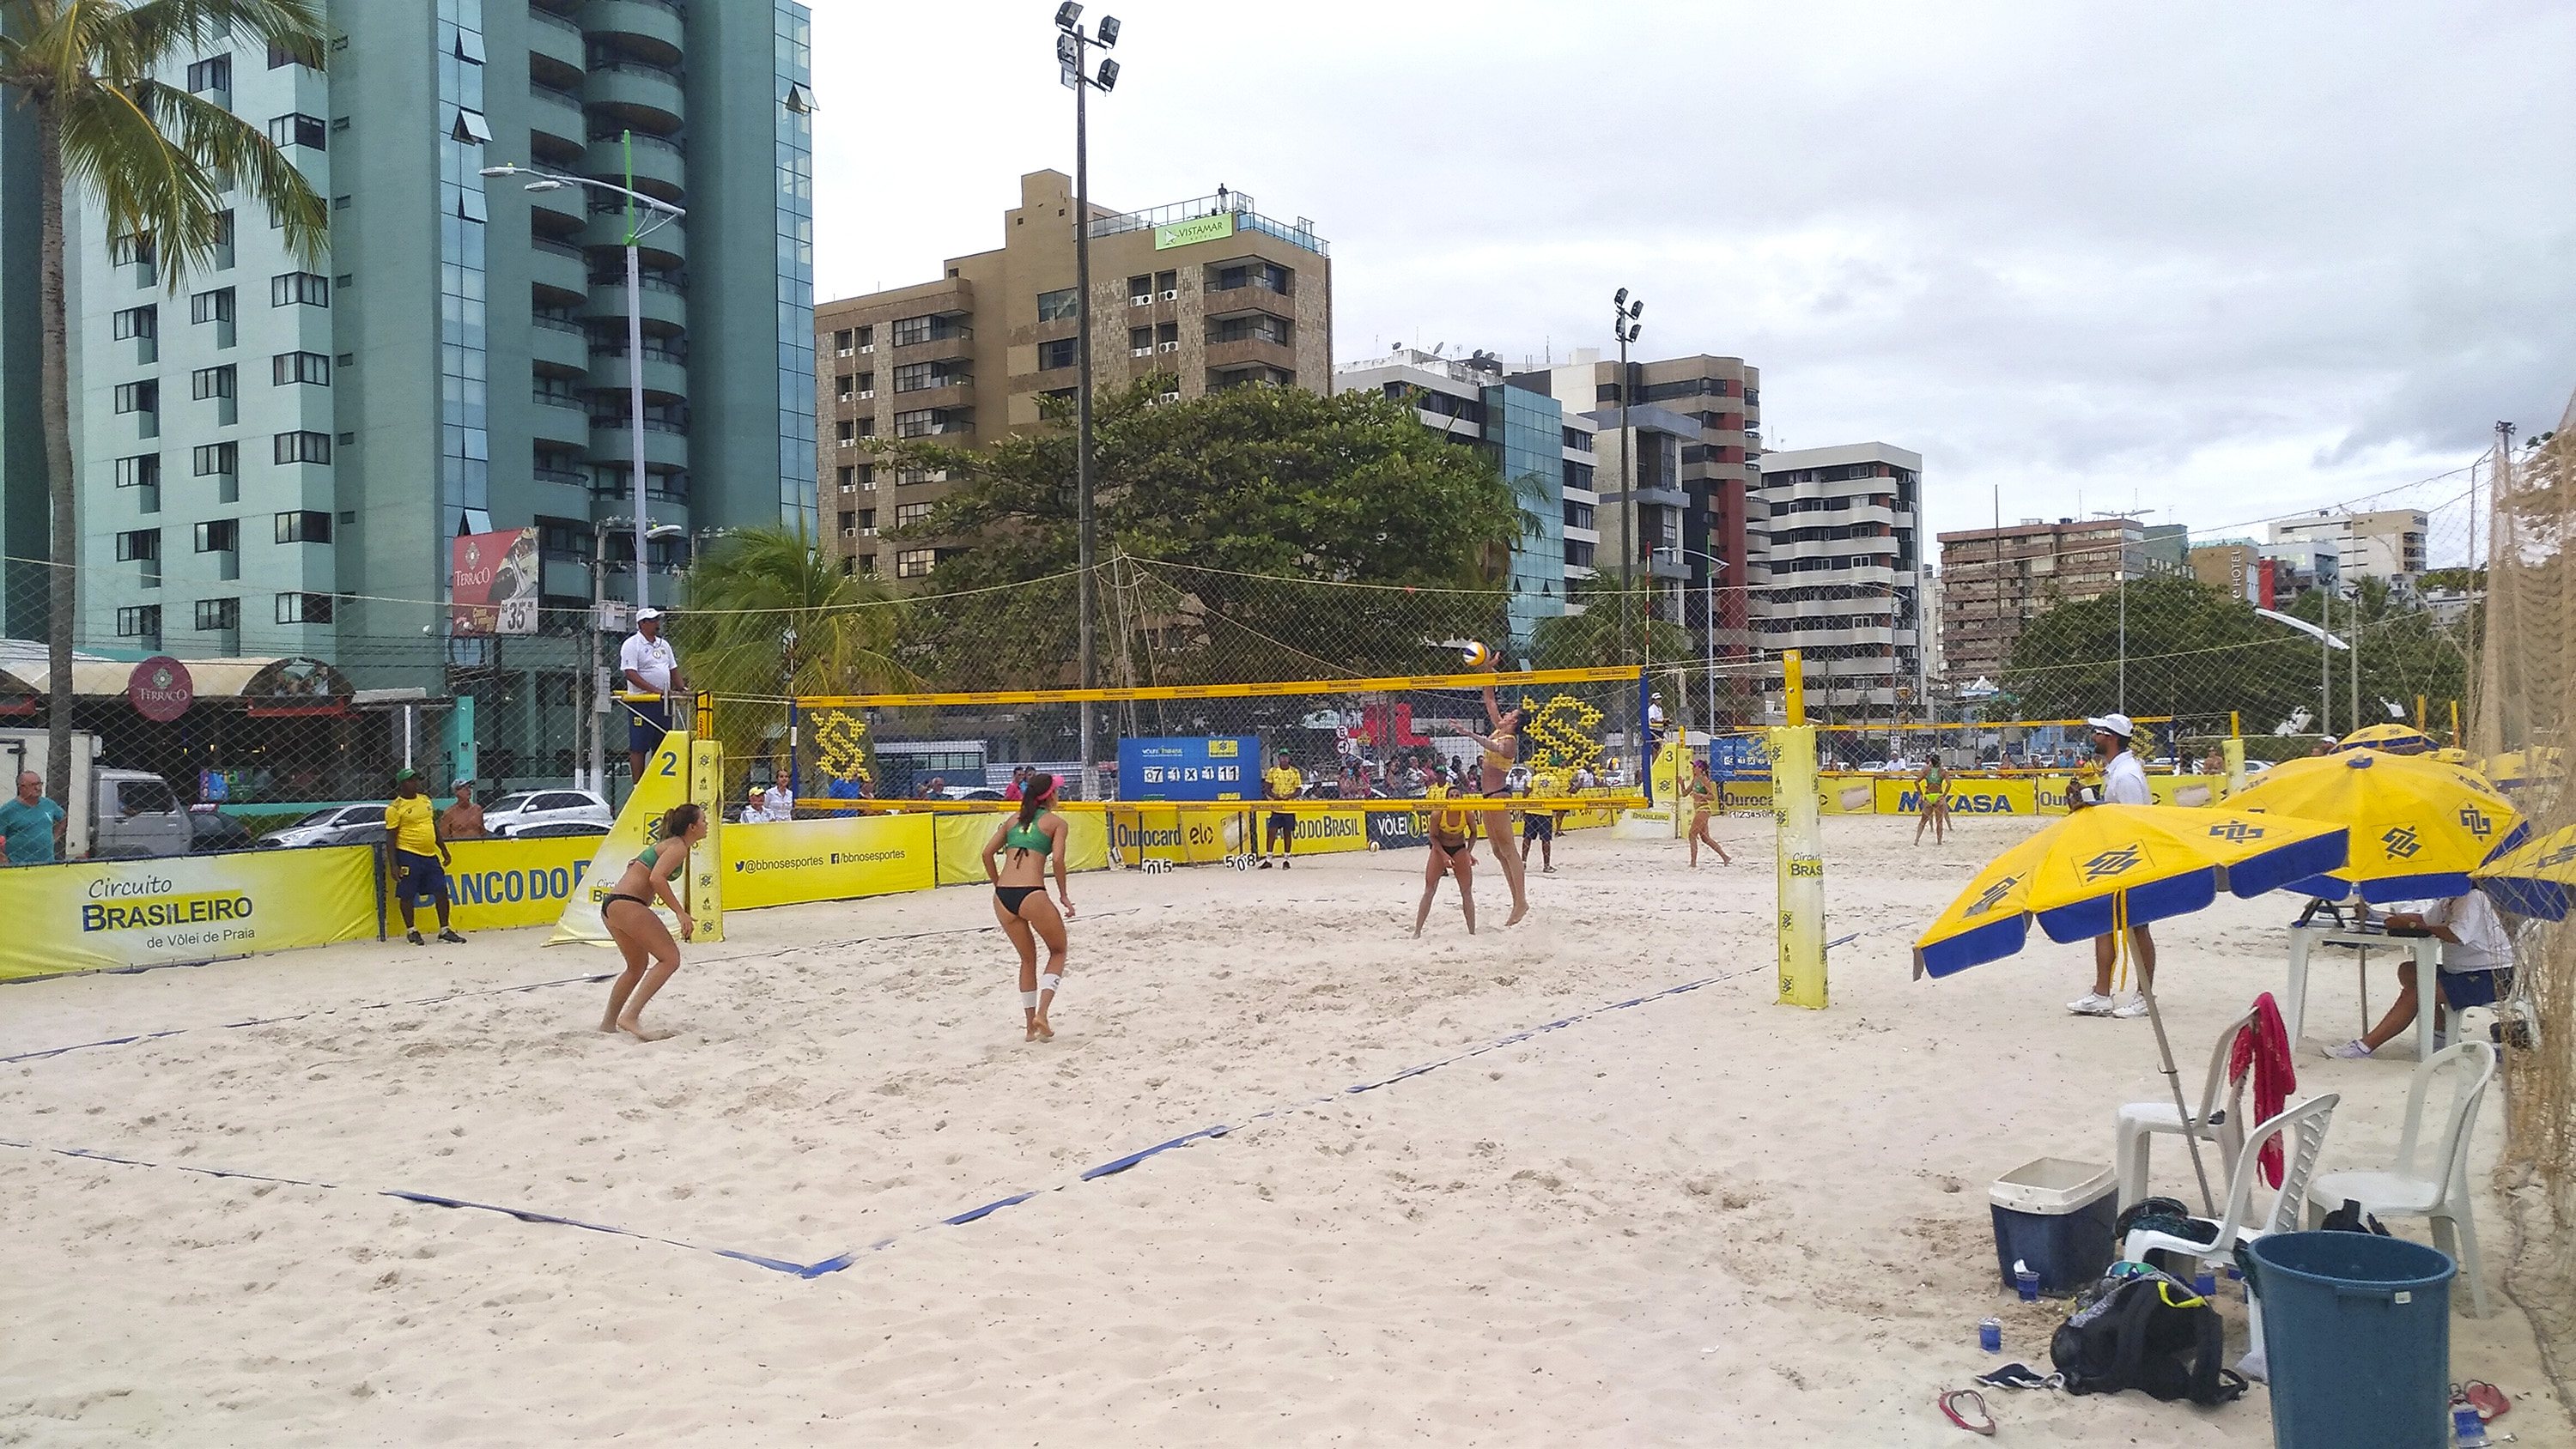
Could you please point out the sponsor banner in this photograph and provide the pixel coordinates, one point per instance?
(106, 915)
(2187, 790)
(1799, 868)
(792, 861)
(961, 841)
(1193, 231)
(1331, 832)
(1848, 794)
(1192, 838)
(1741, 795)
(1223, 768)
(665, 784)
(1396, 830)
(493, 582)
(1583, 819)
(1966, 797)
(498, 884)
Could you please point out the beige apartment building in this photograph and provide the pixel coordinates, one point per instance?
(1995, 580)
(1210, 290)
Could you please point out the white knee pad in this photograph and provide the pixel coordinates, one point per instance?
(1051, 982)
(1028, 1001)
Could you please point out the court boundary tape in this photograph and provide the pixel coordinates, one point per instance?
(851, 1257)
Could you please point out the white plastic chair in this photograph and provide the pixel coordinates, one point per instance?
(2308, 1121)
(2437, 1188)
(2225, 1126)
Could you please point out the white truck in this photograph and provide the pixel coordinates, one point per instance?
(112, 814)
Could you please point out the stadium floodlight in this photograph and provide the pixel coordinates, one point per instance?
(1068, 49)
(1068, 15)
(1108, 34)
(1108, 76)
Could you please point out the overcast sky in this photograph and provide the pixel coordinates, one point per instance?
(2228, 261)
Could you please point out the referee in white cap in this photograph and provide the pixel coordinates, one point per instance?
(2124, 782)
(652, 676)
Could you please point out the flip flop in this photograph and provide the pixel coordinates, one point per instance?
(2487, 1399)
(1984, 1423)
(2021, 1376)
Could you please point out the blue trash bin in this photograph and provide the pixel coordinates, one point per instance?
(2357, 1335)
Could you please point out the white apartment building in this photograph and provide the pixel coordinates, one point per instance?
(2386, 545)
(1838, 574)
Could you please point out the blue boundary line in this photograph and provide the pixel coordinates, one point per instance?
(840, 1261)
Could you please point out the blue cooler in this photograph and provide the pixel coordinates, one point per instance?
(2357, 1338)
(2056, 1216)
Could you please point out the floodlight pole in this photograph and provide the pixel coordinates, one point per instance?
(1079, 75)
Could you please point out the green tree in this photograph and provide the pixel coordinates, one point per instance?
(159, 160)
(767, 617)
(1254, 533)
(1595, 637)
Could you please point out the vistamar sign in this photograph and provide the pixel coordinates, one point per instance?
(1196, 229)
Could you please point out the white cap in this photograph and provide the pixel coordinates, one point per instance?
(2117, 724)
(643, 614)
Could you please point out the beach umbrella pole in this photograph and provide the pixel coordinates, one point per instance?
(2173, 1079)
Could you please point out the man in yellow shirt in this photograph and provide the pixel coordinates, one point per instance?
(1282, 781)
(420, 857)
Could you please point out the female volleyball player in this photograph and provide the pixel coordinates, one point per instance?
(1703, 796)
(1034, 837)
(1453, 852)
(640, 934)
(1502, 751)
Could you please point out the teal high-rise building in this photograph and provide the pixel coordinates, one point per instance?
(274, 460)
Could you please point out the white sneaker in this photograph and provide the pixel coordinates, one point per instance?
(2352, 1050)
(2130, 1008)
(2091, 1003)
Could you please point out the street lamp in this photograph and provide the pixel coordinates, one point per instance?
(1072, 51)
(1708, 630)
(2326, 644)
(659, 214)
(645, 530)
(1624, 326)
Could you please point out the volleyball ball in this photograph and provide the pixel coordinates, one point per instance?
(1478, 655)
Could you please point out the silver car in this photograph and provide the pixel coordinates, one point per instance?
(334, 825)
(522, 813)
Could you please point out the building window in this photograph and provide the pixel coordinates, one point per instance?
(846, 386)
(310, 289)
(298, 129)
(1259, 327)
(1056, 354)
(1167, 285)
(909, 514)
(141, 471)
(140, 546)
(929, 422)
(304, 525)
(1578, 475)
(208, 382)
(841, 342)
(138, 397)
(143, 622)
(282, 54)
(1167, 337)
(218, 459)
(302, 447)
(910, 330)
(912, 377)
(849, 432)
(221, 536)
(304, 608)
(1265, 275)
(1578, 553)
(215, 614)
(130, 250)
(1140, 341)
(293, 367)
(914, 563)
(1578, 515)
(215, 73)
(1140, 289)
(1059, 306)
(142, 322)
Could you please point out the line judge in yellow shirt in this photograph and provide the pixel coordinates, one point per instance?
(1282, 781)
(420, 857)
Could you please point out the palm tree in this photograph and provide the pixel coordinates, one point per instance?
(159, 160)
(767, 616)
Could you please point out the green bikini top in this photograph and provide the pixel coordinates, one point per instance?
(1029, 836)
(652, 856)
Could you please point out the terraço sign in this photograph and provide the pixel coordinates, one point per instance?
(1196, 229)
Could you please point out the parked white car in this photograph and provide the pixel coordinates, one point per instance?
(520, 813)
(332, 825)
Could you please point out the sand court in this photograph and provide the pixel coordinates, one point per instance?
(1700, 1218)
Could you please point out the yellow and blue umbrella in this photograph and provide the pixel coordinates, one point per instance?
(2388, 739)
(2419, 825)
(2115, 865)
(2516, 769)
(2537, 878)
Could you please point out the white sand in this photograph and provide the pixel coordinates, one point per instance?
(1704, 1220)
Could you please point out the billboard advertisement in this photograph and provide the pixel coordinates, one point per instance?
(1219, 768)
(493, 582)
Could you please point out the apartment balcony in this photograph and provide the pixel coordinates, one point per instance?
(558, 42)
(666, 374)
(632, 94)
(558, 266)
(560, 418)
(1830, 638)
(949, 339)
(660, 170)
(563, 344)
(663, 249)
(653, 29)
(955, 390)
(664, 306)
(1250, 351)
(611, 442)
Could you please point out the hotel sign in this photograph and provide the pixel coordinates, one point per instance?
(1196, 229)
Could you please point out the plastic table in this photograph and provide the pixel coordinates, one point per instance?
(2426, 950)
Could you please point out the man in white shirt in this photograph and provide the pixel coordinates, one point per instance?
(652, 674)
(2476, 952)
(2124, 782)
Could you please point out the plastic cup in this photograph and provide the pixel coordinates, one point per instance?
(2205, 1284)
(2028, 1282)
(2468, 1428)
(1990, 1335)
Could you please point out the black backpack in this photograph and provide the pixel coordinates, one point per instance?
(2149, 1332)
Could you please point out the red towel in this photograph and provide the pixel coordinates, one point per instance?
(2264, 1043)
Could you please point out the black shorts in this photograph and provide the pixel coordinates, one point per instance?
(1281, 820)
(647, 720)
(1538, 825)
(418, 877)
